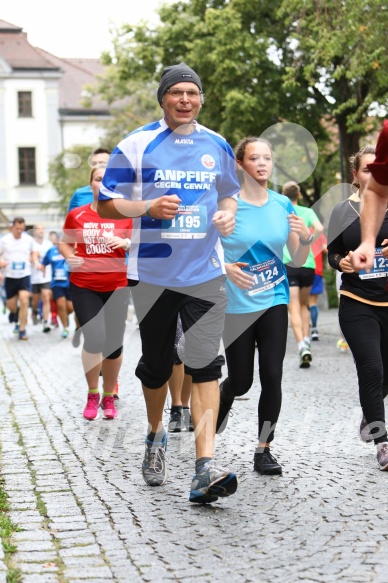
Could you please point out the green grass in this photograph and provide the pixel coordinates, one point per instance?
(7, 528)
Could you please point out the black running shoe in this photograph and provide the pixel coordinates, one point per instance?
(266, 464)
(223, 413)
(176, 422)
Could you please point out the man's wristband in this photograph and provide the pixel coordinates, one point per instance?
(148, 204)
(307, 241)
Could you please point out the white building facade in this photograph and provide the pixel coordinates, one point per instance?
(40, 115)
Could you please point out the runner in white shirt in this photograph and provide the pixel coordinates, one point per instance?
(17, 252)
(41, 279)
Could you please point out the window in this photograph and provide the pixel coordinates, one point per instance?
(27, 170)
(25, 103)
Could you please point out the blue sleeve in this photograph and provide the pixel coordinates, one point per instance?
(227, 183)
(119, 177)
(73, 202)
(290, 208)
(47, 258)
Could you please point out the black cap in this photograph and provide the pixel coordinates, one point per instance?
(176, 74)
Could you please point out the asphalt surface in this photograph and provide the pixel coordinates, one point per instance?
(76, 490)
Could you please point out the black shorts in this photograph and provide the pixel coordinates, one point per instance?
(300, 276)
(202, 311)
(13, 286)
(37, 287)
(179, 344)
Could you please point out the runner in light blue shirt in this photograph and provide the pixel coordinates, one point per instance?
(258, 293)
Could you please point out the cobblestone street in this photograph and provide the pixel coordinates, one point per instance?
(76, 490)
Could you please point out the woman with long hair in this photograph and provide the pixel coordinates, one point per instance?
(258, 292)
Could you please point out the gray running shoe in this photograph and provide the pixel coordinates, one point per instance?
(188, 421)
(154, 466)
(305, 357)
(213, 481)
(176, 423)
(382, 455)
(314, 334)
(365, 434)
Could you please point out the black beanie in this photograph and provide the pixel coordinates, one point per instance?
(176, 74)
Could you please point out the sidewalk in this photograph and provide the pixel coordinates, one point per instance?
(76, 490)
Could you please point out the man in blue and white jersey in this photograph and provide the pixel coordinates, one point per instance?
(177, 180)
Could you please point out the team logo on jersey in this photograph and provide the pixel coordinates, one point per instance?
(184, 141)
(215, 262)
(208, 161)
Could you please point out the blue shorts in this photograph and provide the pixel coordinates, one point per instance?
(317, 285)
(61, 292)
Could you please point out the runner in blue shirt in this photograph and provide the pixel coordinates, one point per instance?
(177, 180)
(258, 292)
(60, 286)
(84, 195)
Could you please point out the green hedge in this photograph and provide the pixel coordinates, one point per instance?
(332, 296)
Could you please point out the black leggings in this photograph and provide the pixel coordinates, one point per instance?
(102, 316)
(365, 329)
(269, 330)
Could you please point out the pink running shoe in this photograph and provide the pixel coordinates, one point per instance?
(108, 406)
(91, 409)
(116, 391)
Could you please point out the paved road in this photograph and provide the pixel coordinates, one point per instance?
(85, 514)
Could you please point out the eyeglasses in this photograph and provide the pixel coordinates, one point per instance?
(178, 94)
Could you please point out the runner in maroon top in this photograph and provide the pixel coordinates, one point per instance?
(95, 250)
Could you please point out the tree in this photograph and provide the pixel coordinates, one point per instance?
(266, 61)
(236, 48)
(68, 171)
(340, 50)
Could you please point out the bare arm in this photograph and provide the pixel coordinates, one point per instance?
(70, 254)
(318, 229)
(299, 230)
(372, 216)
(236, 275)
(164, 207)
(34, 256)
(224, 217)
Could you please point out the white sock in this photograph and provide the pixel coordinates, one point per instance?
(301, 345)
(306, 340)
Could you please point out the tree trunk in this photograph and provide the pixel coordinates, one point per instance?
(349, 144)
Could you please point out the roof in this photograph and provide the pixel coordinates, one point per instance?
(17, 51)
(8, 27)
(74, 74)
